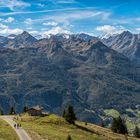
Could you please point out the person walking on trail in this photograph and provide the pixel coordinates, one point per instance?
(15, 125)
(18, 125)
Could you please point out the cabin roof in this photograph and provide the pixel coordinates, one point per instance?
(37, 107)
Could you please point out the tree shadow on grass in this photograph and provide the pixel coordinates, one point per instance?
(85, 129)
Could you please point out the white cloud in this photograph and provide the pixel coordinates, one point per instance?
(28, 21)
(66, 12)
(1, 19)
(34, 32)
(44, 29)
(63, 1)
(52, 23)
(13, 4)
(109, 29)
(137, 19)
(29, 28)
(41, 5)
(138, 29)
(56, 30)
(5, 30)
(45, 32)
(2, 26)
(106, 28)
(67, 17)
(81, 14)
(9, 20)
(10, 31)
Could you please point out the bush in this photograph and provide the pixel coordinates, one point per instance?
(86, 123)
(69, 115)
(25, 109)
(69, 137)
(12, 111)
(102, 124)
(137, 132)
(1, 111)
(118, 126)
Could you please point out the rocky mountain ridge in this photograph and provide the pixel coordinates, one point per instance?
(127, 44)
(57, 71)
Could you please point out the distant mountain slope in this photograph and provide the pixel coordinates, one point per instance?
(3, 41)
(57, 71)
(126, 43)
(19, 41)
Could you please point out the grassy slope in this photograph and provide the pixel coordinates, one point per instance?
(6, 132)
(55, 128)
(129, 123)
(112, 112)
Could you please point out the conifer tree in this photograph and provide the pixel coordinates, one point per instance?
(70, 115)
(25, 109)
(122, 126)
(102, 124)
(137, 132)
(118, 126)
(64, 114)
(12, 111)
(114, 125)
(69, 137)
(1, 111)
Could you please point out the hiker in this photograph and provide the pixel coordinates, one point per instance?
(15, 125)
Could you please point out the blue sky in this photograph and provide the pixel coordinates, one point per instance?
(96, 17)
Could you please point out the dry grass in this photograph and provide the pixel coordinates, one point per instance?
(56, 128)
(106, 132)
(7, 132)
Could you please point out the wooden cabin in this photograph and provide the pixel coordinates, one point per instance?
(35, 111)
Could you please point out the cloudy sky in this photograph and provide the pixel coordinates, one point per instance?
(95, 17)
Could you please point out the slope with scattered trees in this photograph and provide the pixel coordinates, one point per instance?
(53, 127)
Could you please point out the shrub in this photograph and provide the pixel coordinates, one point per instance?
(69, 137)
(137, 132)
(69, 115)
(118, 126)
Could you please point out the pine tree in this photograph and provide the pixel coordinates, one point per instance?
(25, 109)
(69, 137)
(122, 129)
(114, 125)
(86, 123)
(12, 111)
(64, 114)
(118, 126)
(1, 111)
(70, 115)
(102, 124)
(137, 132)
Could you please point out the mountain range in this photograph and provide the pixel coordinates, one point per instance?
(90, 73)
(127, 44)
